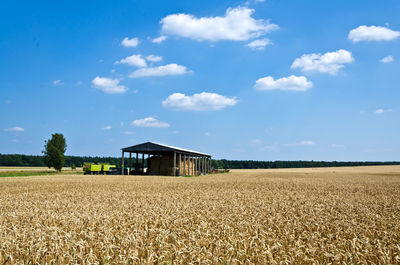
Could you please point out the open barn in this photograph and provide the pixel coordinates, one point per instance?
(165, 160)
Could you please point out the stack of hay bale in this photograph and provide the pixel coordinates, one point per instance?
(161, 165)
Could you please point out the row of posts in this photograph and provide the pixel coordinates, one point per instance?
(138, 167)
(192, 165)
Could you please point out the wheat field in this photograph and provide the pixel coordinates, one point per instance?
(288, 216)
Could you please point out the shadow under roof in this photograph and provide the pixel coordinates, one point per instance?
(160, 149)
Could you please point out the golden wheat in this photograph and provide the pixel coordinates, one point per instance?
(310, 216)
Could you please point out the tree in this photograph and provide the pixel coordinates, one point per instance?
(54, 151)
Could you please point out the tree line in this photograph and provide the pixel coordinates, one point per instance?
(251, 164)
(39, 161)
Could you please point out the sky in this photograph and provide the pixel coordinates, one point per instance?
(260, 80)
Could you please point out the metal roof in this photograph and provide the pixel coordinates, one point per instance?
(157, 148)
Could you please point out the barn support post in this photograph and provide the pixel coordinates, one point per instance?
(195, 165)
(184, 165)
(180, 164)
(137, 164)
(193, 172)
(130, 163)
(174, 164)
(204, 165)
(143, 164)
(200, 165)
(122, 162)
(191, 165)
(188, 167)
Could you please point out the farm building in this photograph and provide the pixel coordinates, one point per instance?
(165, 160)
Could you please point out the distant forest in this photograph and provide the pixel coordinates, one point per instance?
(37, 161)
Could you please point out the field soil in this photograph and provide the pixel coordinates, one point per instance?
(298, 216)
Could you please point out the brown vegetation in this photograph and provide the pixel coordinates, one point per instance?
(261, 217)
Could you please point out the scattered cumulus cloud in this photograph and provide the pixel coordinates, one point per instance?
(134, 60)
(291, 83)
(330, 62)
(154, 58)
(57, 83)
(159, 39)
(372, 33)
(387, 59)
(129, 132)
(169, 69)
(302, 143)
(381, 111)
(338, 146)
(259, 44)
(14, 129)
(208, 134)
(237, 24)
(198, 102)
(175, 132)
(150, 122)
(79, 83)
(107, 128)
(108, 85)
(255, 142)
(126, 42)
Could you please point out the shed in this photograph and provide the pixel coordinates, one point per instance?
(166, 160)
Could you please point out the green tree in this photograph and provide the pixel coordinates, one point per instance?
(54, 150)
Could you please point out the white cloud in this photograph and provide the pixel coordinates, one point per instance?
(159, 39)
(338, 146)
(154, 58)
(259, 44)
(387, 59)
(129, 132)
(107, 128)
(126, 42)
(150, 122)
(108, 85)
(237, 24)
(293, 83)
(79, 83)
(14, 129)
(208, 134)
(255, 142)
(302, 143)
(381, 111)
(169, 69)
(330, 62)
(372, 33)
(198, 102)
(57, 83)
(175, 132)
(134, 60)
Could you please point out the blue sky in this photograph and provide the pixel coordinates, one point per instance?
(264, 80)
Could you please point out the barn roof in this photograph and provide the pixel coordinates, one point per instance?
(157, 148)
